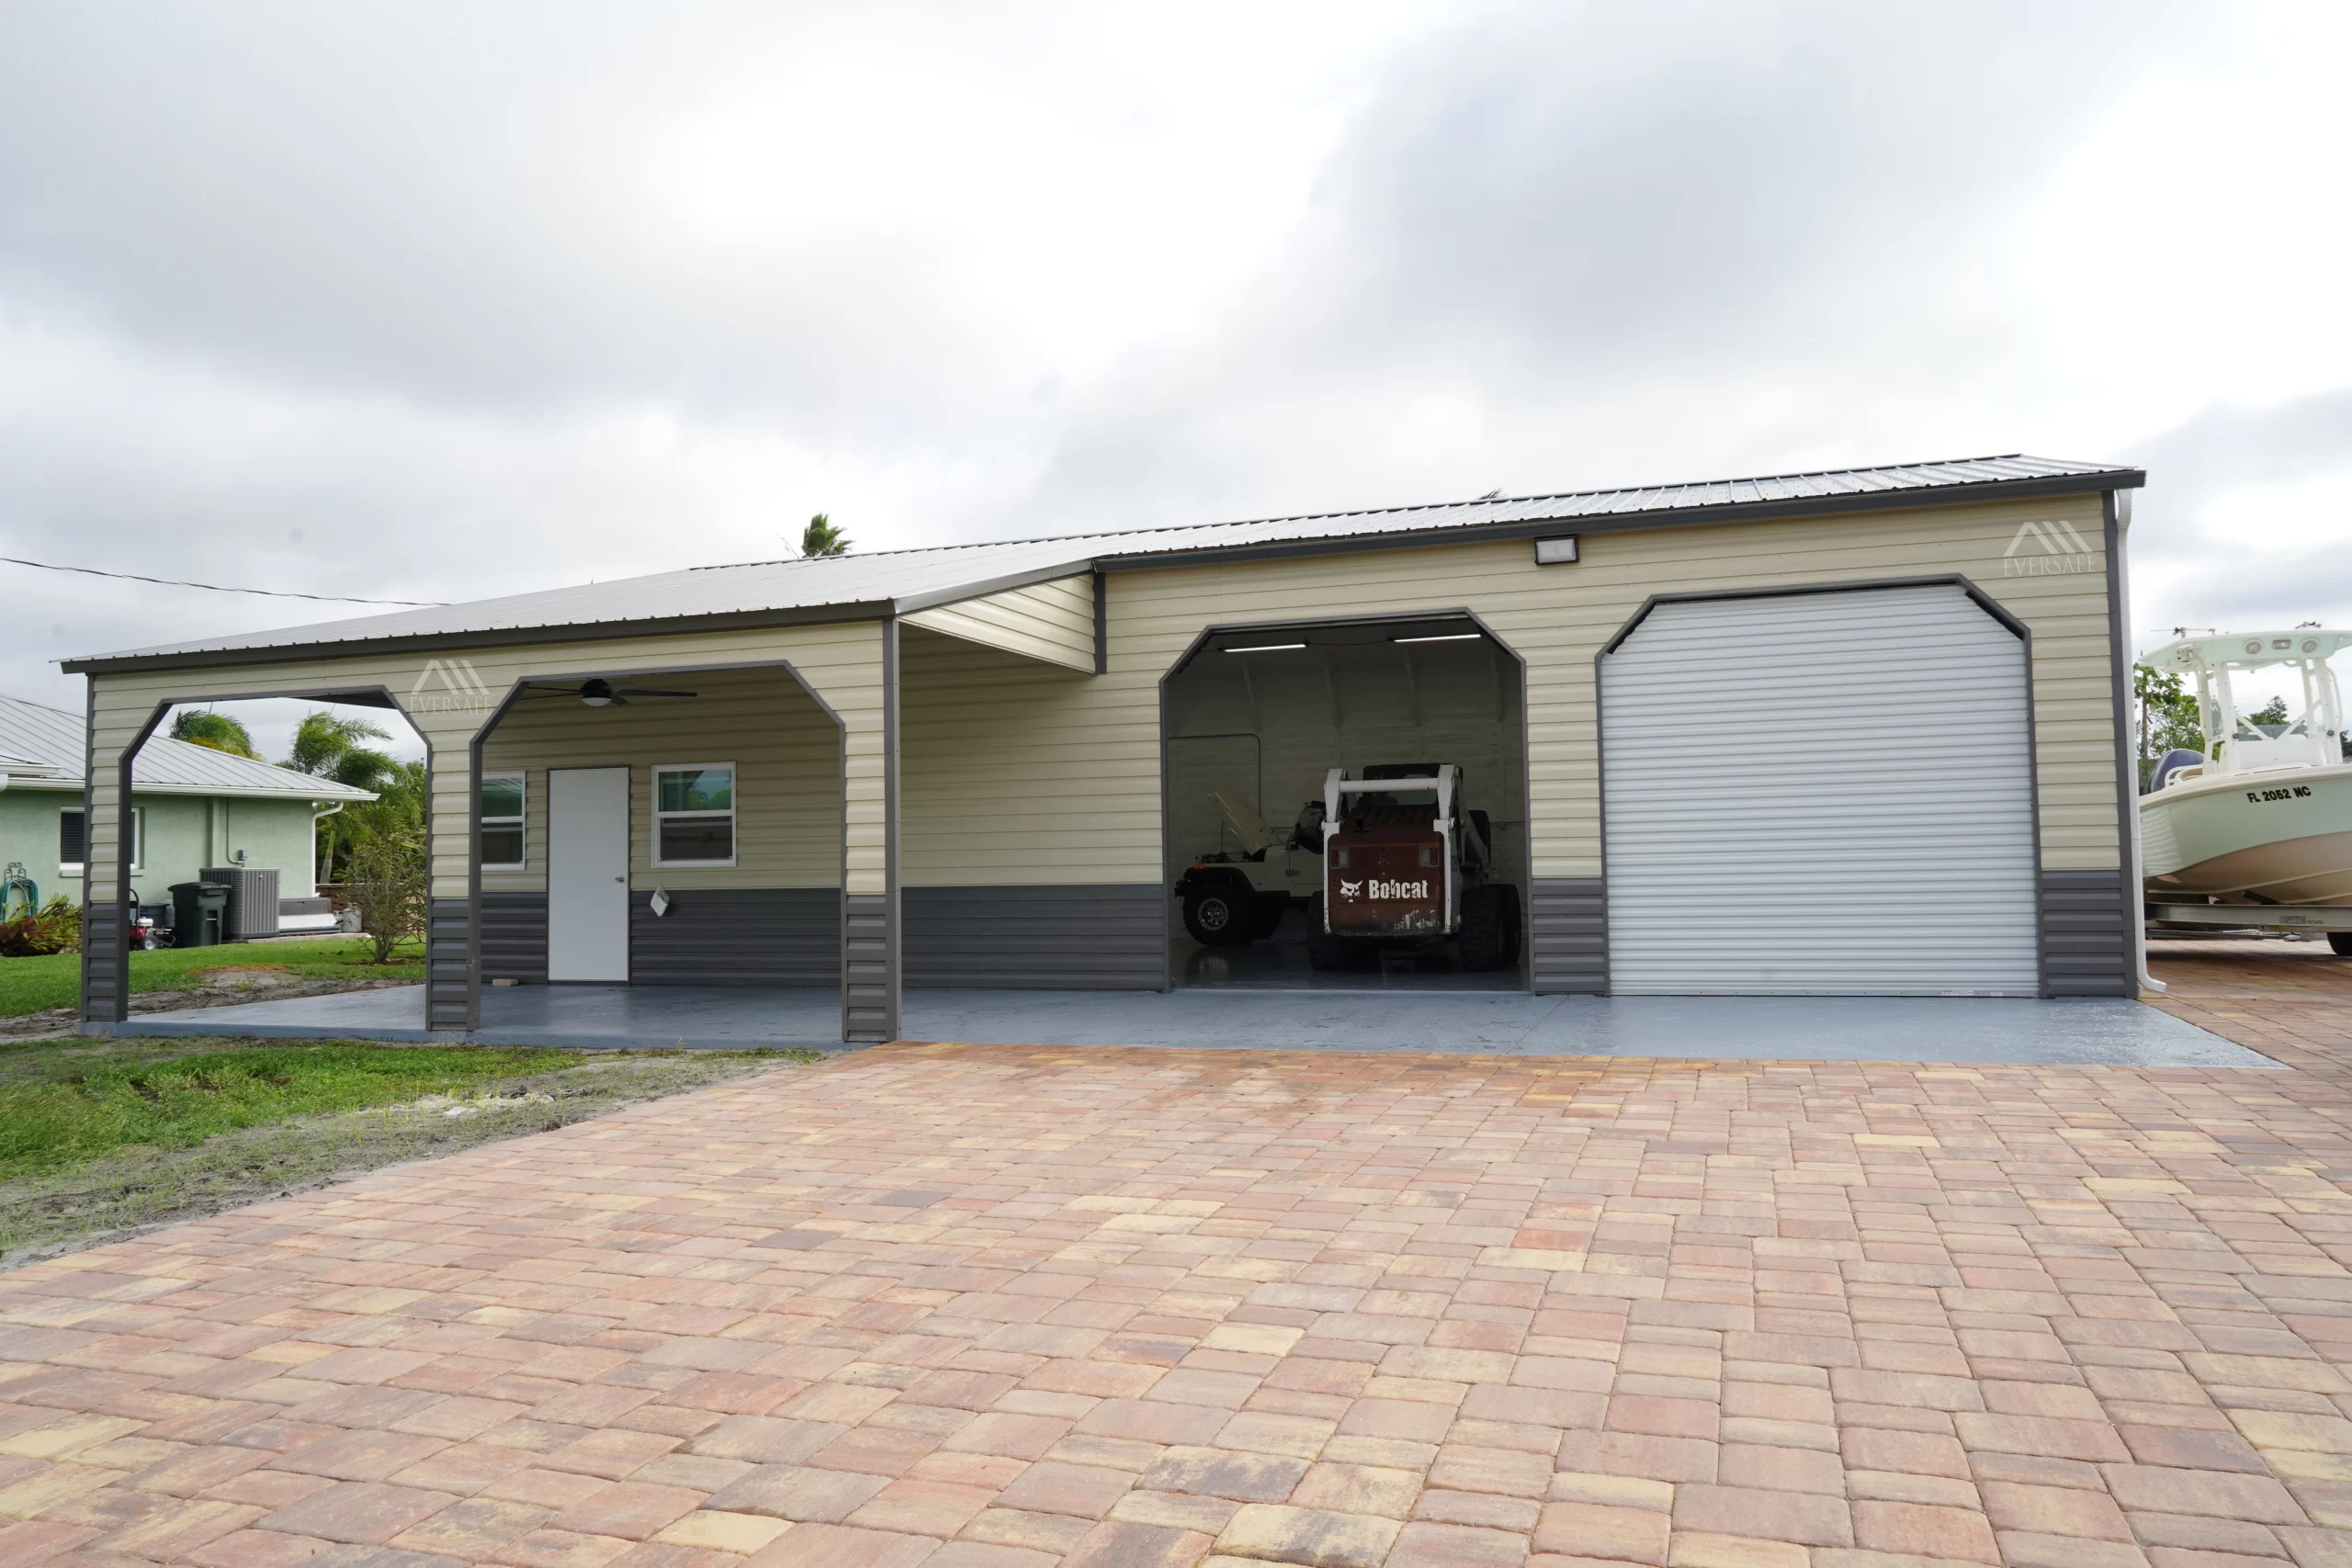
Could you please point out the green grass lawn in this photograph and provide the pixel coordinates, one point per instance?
(100, 1138)
(56, 1111)
(35, 985)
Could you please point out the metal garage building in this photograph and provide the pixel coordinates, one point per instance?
(1854, 732)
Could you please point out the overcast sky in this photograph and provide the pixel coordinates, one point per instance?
(436, 302)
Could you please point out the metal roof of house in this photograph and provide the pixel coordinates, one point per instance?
(44, 746)
(887, 582)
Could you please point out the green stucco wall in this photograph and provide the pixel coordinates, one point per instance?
(183, 834)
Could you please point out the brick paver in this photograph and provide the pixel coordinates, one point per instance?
(995, 1308)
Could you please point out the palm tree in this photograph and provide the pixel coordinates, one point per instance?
(821, 538)
(327, 745)
(217, 731)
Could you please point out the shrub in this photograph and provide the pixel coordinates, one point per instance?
(55, 927)
(387, 882)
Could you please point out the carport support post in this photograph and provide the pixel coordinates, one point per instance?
(870, 968)
(116, 727)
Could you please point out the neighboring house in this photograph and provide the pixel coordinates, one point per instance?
(193, 808)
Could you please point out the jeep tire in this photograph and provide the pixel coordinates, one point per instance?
(1220, 914)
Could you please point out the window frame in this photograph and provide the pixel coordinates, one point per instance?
(732, 815)
(81, 868)
(521, 820)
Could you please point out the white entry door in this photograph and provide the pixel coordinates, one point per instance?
(1820, 794)
(588, 874)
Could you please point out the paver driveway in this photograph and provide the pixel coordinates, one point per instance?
(993, 1307)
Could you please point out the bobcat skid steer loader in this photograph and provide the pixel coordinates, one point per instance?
(1407, 869)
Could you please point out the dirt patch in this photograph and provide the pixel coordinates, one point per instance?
(144, 1188)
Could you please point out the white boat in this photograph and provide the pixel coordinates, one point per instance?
(2263, 815)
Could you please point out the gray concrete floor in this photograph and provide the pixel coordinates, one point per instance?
(1278, 962)
(1841, 1029)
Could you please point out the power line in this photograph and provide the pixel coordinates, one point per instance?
(217, 588)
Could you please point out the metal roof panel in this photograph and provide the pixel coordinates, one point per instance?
(883, 581)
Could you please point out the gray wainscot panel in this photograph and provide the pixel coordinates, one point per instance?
(2086, 934)
(447, 1003)
(514, 937)
(1568, 936)
(735, 936)
(1086, 937)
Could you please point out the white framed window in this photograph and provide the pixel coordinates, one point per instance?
(74, 841)
(501, 800)
(694, 814)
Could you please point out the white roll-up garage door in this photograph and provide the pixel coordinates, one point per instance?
(1821, 794)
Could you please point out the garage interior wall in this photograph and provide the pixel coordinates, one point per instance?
(1269, 725)
(774, 917)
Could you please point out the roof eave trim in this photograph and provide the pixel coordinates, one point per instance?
(1664, 517)
(74, 786)
(502, 636)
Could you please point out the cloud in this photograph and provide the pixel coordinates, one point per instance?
(444, 302)
(2246, 519)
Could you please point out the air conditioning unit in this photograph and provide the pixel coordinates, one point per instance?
(252, 900)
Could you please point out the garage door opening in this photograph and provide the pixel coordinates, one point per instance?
(1820, 794)
(1426, 718)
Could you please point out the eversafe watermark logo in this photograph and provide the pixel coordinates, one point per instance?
(450, 685)
(2048, 549)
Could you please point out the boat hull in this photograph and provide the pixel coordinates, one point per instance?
(2282, 836)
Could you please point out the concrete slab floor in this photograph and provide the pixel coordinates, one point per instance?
(1840, 1029)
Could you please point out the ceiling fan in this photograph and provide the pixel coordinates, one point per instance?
(600, 693)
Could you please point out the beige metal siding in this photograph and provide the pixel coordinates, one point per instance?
(786, 753)
(1002, 765)
(1052, 621)
(449, 697)
(1073, 784)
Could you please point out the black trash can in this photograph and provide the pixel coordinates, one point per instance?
(199, 912)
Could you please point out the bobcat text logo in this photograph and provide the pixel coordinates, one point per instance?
(1351, 889)
(2048, 549)
(450, 685)
(1399, 889)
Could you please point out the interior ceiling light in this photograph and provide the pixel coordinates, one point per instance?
(1267, 648)
(1443, 637)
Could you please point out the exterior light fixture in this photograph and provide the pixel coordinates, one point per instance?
(1267, 648)
(1561, 551)
(1443, 637)
(597, 694)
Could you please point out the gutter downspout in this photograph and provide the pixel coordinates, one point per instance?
(316, 817)
(2130, 753)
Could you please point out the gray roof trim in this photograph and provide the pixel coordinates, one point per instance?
(499, 636)
(1618, 522)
